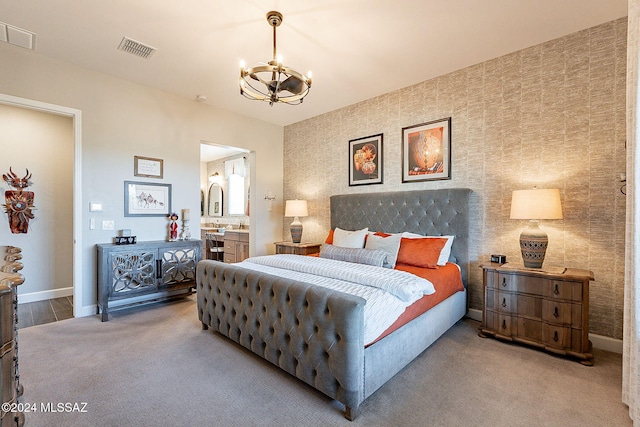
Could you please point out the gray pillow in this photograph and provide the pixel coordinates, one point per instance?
(374, 257)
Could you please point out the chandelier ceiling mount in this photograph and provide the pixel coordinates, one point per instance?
(274, 82)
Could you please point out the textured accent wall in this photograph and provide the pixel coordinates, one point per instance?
(552, 115)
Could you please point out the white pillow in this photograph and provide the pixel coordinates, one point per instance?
(445, 253)
(349, 239)
(390, 245)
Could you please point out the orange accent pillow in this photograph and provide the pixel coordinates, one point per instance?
(420, 252)
(329, 239)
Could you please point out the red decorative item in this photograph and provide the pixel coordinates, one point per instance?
(19, 203)
(173, 227)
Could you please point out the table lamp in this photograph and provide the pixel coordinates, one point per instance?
(296, 208)
(535, 205)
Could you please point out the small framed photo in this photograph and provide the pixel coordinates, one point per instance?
(426, 151)
(146, 199)
(147, 167)
(365, 160)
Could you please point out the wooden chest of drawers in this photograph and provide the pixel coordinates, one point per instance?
(236, 246)
(546, 309)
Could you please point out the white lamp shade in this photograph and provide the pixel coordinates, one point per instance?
(536, 204)
(296, 208)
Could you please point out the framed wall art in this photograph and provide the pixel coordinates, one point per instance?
(365, 160)
(146, 199)
(147, 167)
(426, 151)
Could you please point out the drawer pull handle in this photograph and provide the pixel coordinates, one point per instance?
(504, 324)
(504, 282)
(556, 291)
(555, 312)
(504, 302)
(555, 336)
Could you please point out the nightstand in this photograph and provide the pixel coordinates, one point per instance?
(297, 248)
(548, 309)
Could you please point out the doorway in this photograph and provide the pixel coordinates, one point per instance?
(73, 258)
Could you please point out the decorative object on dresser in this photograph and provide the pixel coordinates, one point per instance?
(534, 205)
(297, 248)
(10, 386)
(548, 309)
(186, 234)
(236, 246)
(145, 272)
(173, 227)
(365, 160)
(296, 208)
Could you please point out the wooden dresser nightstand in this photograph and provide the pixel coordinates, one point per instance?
(548, 309)
(297, 248)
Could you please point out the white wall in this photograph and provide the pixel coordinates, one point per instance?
(42, 143)
(120, 120)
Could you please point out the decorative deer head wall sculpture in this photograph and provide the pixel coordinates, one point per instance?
(19, 203)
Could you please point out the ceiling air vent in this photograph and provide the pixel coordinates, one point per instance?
(136, 48)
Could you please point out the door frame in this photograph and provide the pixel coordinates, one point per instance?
(76, 116)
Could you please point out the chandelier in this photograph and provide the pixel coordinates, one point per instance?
(274, 82)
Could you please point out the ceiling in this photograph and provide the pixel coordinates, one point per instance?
(357, 49)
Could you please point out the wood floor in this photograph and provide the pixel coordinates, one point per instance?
(40, 312)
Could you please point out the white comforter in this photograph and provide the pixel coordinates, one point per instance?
(387, 292)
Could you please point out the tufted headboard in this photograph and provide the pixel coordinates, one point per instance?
(428, 212)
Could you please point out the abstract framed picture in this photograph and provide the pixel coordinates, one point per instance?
(426, 151)
(365, 160)
(146, 199)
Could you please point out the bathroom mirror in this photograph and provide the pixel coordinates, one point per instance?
(215, 200)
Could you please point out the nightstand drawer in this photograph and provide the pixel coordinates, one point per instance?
(499, 323)
(556, 336)
(520, 283)
(504, 302)
(556, 289)
(562, 313)
(529, 306)
(529, 330)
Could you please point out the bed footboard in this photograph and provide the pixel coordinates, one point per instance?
(313, 333)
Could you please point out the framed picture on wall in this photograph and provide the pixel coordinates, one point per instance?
(147, 167)
(365, 160)
(426, 151)
(146, 199)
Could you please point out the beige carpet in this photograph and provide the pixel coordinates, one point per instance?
(154, 366)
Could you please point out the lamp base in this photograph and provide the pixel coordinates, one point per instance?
(296, 230)
(533, 245)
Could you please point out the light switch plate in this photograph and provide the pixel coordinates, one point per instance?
(95, 207)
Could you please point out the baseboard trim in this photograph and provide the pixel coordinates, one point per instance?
(45, 295)
(599, 341)
(606, 343)
(475, 314)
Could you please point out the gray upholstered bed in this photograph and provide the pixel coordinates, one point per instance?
(316, 334)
